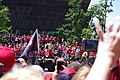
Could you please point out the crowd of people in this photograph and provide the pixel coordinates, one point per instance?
(70, 62)
(50, 47)
(18, 43)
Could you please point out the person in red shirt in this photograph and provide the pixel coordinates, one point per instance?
(43, 52)
(115, 72)
(75, 44)
(69, 51)
(28, 38)
(51, 54)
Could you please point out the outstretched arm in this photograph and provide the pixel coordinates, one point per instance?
(108, 52)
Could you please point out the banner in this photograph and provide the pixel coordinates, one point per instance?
(33, 45)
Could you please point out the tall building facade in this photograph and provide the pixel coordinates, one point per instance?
(45, 15)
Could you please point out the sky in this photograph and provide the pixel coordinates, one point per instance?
(113, 16)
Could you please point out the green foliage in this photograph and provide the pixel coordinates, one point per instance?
(100, 10)
(4, 19)
(86, 33)
(75, 18)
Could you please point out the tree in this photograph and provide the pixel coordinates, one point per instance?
(86, 33)
(4, 19)
(100, 10)
(75, 18)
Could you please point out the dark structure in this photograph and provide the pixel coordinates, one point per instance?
(46, 15)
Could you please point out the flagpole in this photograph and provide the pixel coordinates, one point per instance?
(38, 44)
(36, 61)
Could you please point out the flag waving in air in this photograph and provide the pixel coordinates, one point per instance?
(33, 45)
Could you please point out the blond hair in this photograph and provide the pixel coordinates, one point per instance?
(26, 73)
(81, 73)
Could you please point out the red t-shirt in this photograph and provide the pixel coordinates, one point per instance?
(51, 53)
(43, 52)
(48, 75)
(69, 52)
(114, 74)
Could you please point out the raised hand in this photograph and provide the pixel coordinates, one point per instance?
(109, 41)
